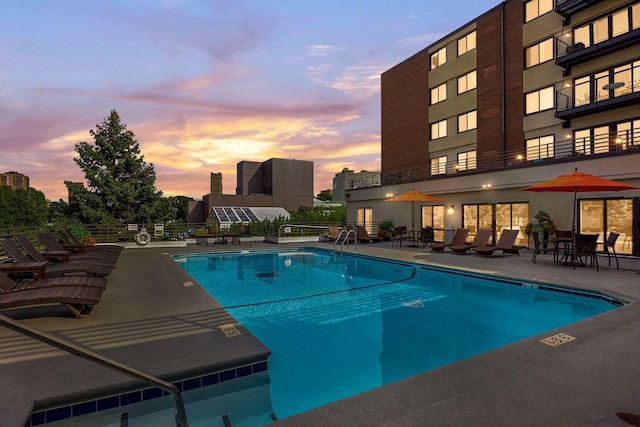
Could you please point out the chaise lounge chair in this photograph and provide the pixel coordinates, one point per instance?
(52, 269)
(69, 243)
(364, 237)
(505, 244)
(78, 300)
(481, 239)
(459, 238)
(54, 248)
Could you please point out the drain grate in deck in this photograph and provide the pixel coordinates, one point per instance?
(558, 339)
(229, 330)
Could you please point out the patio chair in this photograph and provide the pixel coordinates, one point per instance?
(334, 233)
(71, 244)
(426, 236)
(481, 238)
(505, 244)
(364, 237)
(90, 267)
(610, 245)
(55, 249)
(540, 246)
(459, 238)
(585, 247)
(78, 300)
(562, 238)
(399, 235)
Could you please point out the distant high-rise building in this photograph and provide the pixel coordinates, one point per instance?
(15, 180)
(216, 183)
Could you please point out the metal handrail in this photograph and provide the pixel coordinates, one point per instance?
(346, 239)
(181, 416)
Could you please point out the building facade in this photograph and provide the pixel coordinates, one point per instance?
(525, 92)
(15, 180)
(349, 180)
(274, 183)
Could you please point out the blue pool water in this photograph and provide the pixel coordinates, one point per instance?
(339, 325)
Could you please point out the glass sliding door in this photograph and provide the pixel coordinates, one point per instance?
(602, 216)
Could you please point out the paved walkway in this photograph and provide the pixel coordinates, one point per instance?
(154, 319)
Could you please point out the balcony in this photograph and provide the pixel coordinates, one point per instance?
(603, 145)
(568, 106)
(569, 53)
(566, 8)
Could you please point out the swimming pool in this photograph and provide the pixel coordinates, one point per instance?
(338, 325)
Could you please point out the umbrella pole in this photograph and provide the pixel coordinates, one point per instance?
(575, 202)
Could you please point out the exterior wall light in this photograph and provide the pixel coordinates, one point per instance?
(450, 211)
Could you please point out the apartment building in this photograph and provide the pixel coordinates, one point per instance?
(15, 180)
(525, 92)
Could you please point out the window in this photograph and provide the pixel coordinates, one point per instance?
(467, 82)
(540, 148)
(539, 100)
(627, 134)
(606, 27)
(433, 216)
(364, 217)
(439, 165)
(467, 43)
(598, 86)
(467, 160)
(539, 53)
(439, 58)
(535, 8)
(438, 129)
(439, 94)
(467, 121)
(591, 141)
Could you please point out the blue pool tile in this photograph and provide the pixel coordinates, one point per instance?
(84, 408)
(129, 398)
(243, 371)
(151, 393)
(108, 403)
(191, 384)
(260, 367)
(228, 375)
(38, 419)
(58, 414)
(210, 380)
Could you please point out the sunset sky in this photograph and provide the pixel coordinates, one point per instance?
(205, 84)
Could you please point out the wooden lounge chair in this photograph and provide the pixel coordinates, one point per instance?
(69, 243)
(54, 248)
(459, 238)
(78, 300)
(364, 237)
(334, 233)
(505, 244)
(481, 238)
(90, 267)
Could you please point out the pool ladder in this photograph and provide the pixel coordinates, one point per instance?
(346, 234)
(181, 416)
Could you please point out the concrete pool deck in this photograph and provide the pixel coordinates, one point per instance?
(153, 319)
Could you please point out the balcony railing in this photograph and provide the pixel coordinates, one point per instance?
(560, 151)
(570, 52)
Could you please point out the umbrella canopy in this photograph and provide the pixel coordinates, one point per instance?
(578, 182)
(413, 196)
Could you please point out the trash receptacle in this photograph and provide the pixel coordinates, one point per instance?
(448, 234)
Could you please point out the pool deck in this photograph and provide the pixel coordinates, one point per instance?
(153, 318)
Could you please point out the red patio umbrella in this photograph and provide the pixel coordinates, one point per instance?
(413, 196)
(578, 182)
